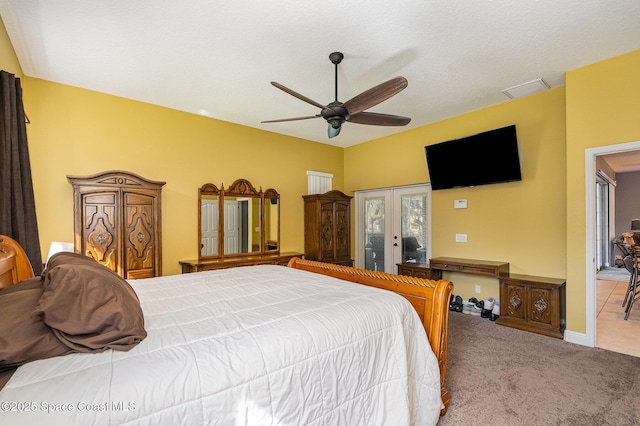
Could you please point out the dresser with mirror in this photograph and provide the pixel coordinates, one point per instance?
(237, 226)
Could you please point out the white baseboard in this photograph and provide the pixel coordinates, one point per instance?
(577, 338)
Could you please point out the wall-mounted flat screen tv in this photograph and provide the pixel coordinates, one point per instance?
(481, 159)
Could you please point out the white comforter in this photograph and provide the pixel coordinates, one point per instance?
(259, 345)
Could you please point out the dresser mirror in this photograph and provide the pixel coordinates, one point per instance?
(238, 221)
(271, 221)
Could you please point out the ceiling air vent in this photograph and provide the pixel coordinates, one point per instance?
(526, 89)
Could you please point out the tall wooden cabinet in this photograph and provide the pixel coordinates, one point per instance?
(117, 222)
(327, 222)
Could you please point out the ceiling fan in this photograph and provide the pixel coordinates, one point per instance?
(352, 110)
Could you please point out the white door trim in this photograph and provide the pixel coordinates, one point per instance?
(590, 243)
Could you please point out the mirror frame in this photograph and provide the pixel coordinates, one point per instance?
(244, 189)
(268, 197)
(209, 190)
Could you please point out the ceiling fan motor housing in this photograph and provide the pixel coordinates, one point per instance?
(335, 114)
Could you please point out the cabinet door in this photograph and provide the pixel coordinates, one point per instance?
(99, 235)
(542, 306)
(327, 231)
(515, 300)
(342, 234)
(139, 235)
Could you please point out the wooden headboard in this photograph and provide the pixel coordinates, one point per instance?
(429, 298)
(14, 263)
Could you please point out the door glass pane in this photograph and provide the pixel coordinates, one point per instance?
(602, 223)
(414, 228)
(374, 234)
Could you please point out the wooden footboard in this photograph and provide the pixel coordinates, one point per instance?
(14, 263)
(429, 298)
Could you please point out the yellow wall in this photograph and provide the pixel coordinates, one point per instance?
(603, 108)
(77, 132)
(522, 223)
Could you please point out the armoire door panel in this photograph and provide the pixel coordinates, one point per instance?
(326, 231)
(342, 235)
(100, 240)
(138, 231)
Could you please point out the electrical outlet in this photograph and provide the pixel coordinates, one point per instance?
(477, 289)
(461, 238)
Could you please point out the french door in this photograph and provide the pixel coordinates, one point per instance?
(393, 225)
(605, 193)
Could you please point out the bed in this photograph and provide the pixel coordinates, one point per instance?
(311, 343)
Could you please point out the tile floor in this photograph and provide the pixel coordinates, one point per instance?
(612, 331)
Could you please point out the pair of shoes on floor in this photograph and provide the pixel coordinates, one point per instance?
(455, 304)
(473, 306)
(488, 307)
(495, 312)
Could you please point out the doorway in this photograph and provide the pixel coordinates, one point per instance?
(594, 223)
(393, 225)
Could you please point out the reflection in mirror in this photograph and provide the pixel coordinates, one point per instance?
(238, 221)
(209, 220)
(271, 220)
(241, 225)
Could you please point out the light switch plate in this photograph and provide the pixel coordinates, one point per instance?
(460, 204)
(461, 238)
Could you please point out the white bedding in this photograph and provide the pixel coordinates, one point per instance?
(259, 345)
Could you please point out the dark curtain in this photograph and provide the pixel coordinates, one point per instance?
(17, 204)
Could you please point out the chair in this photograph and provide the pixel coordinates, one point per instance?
(377, 251)
(633, 291)
(412, 250)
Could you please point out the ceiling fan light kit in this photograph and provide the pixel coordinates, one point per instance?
(336, 113)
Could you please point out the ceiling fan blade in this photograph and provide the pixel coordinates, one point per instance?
(375, 95)
(379, 119)
(297, 95)
(291, 119)
(333, 131)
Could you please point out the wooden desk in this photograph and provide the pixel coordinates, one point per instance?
(470, 266)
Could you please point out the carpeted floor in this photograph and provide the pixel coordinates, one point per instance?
(499, 376)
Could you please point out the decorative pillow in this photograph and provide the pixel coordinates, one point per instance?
(89, 307)
(24, 337)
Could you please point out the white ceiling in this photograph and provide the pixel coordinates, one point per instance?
(623, 162)
(219, 56)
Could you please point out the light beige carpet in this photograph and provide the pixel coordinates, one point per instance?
(502, 376)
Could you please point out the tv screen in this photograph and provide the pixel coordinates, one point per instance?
(481, 159)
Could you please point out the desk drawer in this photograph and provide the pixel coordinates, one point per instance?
(445, 266)
(479, 270)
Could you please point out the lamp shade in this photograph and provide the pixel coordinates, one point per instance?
(635, 225)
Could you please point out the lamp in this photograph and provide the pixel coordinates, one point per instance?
(57, 247)
(635, 228)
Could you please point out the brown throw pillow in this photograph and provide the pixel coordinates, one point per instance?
(24, 337)
(89, 307)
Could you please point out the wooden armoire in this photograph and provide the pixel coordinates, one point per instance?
(117, 221)
(327, 222)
